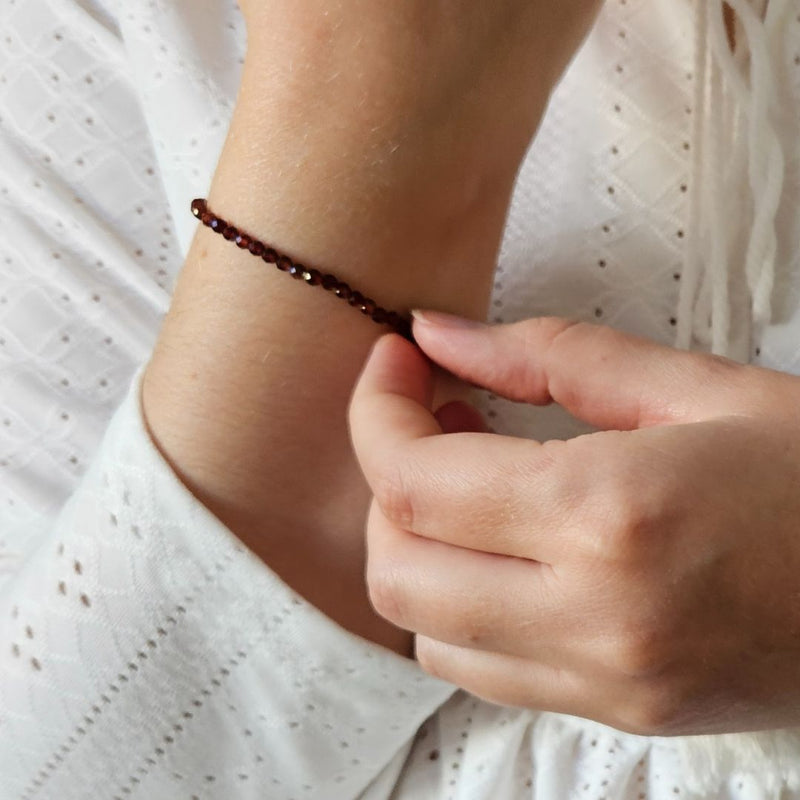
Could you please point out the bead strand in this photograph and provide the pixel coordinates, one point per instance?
(312, 277)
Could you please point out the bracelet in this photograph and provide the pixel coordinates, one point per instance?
(312, 277)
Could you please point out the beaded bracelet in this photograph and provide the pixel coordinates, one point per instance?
(312, 277)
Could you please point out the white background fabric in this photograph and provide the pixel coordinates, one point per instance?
(111, 119)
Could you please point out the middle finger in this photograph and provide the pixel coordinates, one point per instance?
(478, 600)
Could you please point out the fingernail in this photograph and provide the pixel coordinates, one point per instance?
(446, 320)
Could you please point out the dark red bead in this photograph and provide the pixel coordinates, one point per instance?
(394, 319)
(368, 307)
(312, 277)
(404, 329)
(356, 299)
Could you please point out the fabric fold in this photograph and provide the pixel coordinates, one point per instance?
(142, 624)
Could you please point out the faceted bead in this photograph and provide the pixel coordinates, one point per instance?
(393, 319)
(368, 307)
(356, 299)
(312, 277)
(343, 290)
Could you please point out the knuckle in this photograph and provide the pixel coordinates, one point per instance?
(624, 537)
(639, 656)
(394, 495)
(567, 334)
(630, 536)
(387, 592)
(655, 710)
(643, 648)
(473, 628)
(631, 525)
(427, 652)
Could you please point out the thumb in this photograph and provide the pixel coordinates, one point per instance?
(607, 378)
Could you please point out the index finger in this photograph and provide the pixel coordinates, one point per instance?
(391, 403)
(477, 491)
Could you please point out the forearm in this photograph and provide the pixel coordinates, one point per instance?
(247, 389)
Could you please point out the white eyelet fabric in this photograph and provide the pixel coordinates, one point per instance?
(144, 652)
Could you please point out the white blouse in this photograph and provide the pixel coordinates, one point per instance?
(144, 651)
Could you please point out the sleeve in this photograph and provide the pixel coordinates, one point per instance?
(147, 653)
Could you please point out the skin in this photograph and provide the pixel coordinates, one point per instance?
(645, 575)
(351, 162)
(654, 605)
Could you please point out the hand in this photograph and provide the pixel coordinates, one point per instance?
(646, 576)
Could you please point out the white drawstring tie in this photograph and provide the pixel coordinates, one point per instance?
(737, 177)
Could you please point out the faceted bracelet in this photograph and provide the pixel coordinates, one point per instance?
(310, 276)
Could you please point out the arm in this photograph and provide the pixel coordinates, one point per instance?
(252, 372)
(398, 180)
(164, 657)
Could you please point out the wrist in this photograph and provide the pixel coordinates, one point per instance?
(246, 392)
(389, 208)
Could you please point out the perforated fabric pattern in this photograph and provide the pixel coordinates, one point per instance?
(147, 652)
(121, 612)
(87, 257)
